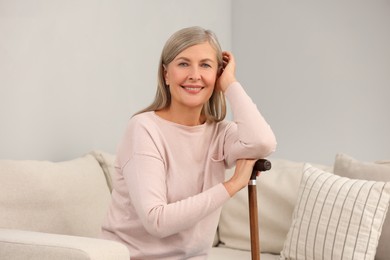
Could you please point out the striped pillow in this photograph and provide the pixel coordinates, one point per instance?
(336, 217)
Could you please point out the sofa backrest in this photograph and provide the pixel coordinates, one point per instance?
(69, 197)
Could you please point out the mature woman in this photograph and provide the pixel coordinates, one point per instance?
(169, 185)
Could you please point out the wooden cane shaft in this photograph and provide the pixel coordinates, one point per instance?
(254, 224)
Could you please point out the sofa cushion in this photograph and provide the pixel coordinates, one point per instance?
(68, 197)
(277, 191)
(336, 217)
(29, 245)
(347, 166)
(218, 253)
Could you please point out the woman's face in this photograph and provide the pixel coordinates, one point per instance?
(191, 76)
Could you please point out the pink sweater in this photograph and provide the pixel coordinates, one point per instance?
(168, 189)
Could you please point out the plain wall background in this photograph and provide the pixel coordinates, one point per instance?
(320, 72)
(73, 72)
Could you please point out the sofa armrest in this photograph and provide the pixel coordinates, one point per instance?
(20, 244)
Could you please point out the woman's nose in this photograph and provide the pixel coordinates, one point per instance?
(194, 74)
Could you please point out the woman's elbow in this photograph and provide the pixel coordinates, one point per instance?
(265, 147)
(156, 231)
(157, 227)
(271, 147)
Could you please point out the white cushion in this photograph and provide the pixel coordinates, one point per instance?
(68, 197)
(277, 191)
(336, 217)
(349, 167)
(22, 245)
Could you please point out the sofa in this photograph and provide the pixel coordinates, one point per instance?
(53, 210)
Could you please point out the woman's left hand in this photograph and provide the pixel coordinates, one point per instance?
(228, 73)
(241, 176)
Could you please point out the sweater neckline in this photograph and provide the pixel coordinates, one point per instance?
(184, 127)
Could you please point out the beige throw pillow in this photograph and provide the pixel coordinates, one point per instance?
(69, 197)
(277, 191)
(349, 167)
(336, 217)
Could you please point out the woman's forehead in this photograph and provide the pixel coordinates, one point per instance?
(202, 51)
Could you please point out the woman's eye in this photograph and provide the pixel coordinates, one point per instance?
(183, 64)
(206, 65)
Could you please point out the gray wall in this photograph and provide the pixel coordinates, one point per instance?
(320, 72)
(73, 72)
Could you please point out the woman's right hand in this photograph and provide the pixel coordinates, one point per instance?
(241, 176)
(227, 76)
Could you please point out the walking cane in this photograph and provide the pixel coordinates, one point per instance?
(260, 165)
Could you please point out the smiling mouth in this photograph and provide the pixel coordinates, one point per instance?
(192, 89)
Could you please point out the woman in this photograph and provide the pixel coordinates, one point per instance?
(169, 186)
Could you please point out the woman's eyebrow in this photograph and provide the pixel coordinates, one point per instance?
(187, 59)
(182, 58)
(208, 60)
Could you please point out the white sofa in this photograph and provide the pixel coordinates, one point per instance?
(54, 210)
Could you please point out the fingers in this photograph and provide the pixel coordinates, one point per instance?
(246, 163)
(245, 167)
(227, 75)
(241, 176)
(226, 58)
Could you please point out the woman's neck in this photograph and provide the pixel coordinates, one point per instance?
(190, 117)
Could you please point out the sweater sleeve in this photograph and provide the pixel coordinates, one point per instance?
(249, 136)
(146, 180)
